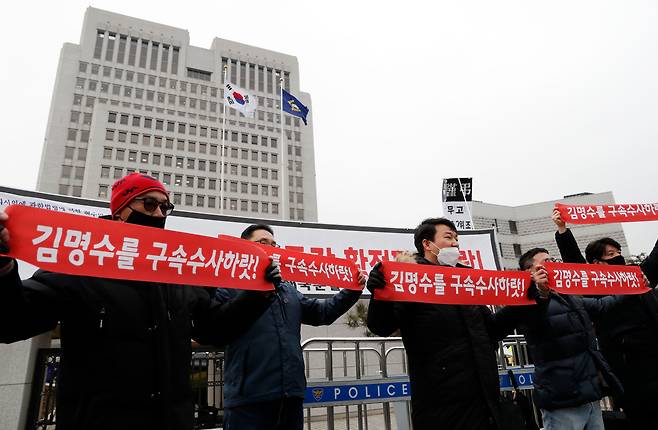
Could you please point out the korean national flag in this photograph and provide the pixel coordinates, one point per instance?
(239, 99)
(293, 106)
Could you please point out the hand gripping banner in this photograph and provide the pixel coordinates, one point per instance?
(313, 269)
(85, 246)
(601, 214)
(595, 279)
(408, 282)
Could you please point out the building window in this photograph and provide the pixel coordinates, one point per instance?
(118, 172)
(66, 171)
(189, 199)
(517, 250)
(79, 173)
(275, 208)
(107, 153)
(100, 35)
(121, 153)
(132, 156)
(105, 172)
(77, 191)
(109, 51)
(513, 229)
(199, 74)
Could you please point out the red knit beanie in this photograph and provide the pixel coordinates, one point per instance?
(127, 188)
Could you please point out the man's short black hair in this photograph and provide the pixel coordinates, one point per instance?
(595, 250)
(249, 231)
(427, 230)
(525, 261)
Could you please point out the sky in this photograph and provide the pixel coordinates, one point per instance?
(534, 100)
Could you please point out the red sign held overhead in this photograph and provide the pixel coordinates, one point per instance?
(603, 213)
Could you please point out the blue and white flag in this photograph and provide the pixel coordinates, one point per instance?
(293, 106)
(239, 99)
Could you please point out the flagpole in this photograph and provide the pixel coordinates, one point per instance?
(221, 165)
(284, 153)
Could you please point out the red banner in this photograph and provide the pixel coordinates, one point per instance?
(602, 214)
(595, 279)
(311, 269)
(407, 282)
(85, 246)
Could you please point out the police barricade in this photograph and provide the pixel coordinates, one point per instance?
(362, 383)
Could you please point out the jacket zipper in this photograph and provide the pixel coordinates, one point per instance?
(102, 318)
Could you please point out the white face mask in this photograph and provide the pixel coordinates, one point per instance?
(447, 256)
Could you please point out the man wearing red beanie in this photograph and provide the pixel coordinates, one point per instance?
(125, 344)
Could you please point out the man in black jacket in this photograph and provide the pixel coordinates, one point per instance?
(125, 344)
(628, 334)
(563, 347)
(451, 348)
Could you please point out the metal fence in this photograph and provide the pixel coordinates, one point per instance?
(333, 366)
(206, 377)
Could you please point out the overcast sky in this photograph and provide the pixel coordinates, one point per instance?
(533, 99)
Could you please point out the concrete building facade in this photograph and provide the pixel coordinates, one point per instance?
(520, 228)
(135, 96)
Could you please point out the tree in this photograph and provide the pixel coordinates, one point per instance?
(358, 317)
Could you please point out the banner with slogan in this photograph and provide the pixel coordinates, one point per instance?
(424, 283)
(309, 268)
(78, 245)
(595, 279)
(605, 213)
(363, 246)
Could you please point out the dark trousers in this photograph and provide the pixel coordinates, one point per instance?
(283, 414)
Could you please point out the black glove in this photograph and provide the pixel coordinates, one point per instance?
(375, 279)
(272, 274)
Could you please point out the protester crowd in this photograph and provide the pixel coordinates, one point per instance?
(126, 344)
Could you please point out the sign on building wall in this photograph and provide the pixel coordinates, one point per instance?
(365, 246)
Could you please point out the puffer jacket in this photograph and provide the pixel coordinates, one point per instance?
(452, 364)
(563, 347)
(126, 348)
(266, 363)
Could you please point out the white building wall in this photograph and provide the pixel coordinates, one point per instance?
(534, 227)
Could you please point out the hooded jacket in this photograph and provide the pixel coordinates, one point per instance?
(126, 350)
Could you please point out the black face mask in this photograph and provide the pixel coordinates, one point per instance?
(139, 218)
(616, 261)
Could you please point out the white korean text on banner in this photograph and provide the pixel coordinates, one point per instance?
(364, 246)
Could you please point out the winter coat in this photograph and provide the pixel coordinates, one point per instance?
(628, 334)
(266, 363)
(451, 356)
(126, 349)
(563, 347)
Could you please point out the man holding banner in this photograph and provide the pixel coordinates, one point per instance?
(563, 346)
(126, 345)
(264, 378)
(628, 335)
(451, 348)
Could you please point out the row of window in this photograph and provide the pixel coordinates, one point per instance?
(211, 202)
(183, 102)
(189, 163)
(142, 78)
(191, 146)
(182, 127)
(136, 51)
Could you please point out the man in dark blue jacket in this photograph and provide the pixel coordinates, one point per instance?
(564, 349)
(264, 379)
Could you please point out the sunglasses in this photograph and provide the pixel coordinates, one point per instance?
(151, 204)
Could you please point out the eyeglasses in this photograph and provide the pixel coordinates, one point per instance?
(151, 204)
(266, 242)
